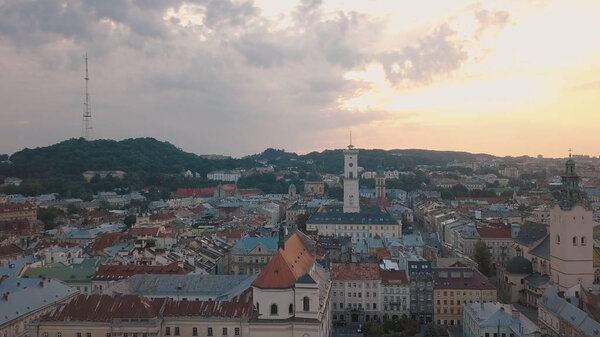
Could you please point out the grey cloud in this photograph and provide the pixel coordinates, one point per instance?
(224, 12)
(490, 19)
(243, 87)
(437, 53)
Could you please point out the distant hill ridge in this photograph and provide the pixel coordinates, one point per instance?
(74, 156)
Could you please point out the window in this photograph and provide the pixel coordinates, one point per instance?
(79, 334)
(306, 303)
(558, 239)
(273, 309)
(107, 334)
(89, 334)
(224, 331)
(209, 332)
(59, 334)
(168, 331)
(257, 307)
(291, 308)
(176, 331)
(583, 240)
(45, 334)
(374, 306)
(194, 331)
(574, 241)
(237, 331)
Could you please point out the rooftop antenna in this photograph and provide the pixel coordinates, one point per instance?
(86, 127)
(350, 146)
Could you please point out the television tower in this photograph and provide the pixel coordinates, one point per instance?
(86, 127)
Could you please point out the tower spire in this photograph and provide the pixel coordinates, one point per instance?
(350, 146)
(86, 127)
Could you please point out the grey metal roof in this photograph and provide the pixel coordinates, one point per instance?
(246, 244)
(536, 280)
(27, 295)
(14, 267)
(215, 287)
(519, 265)
(366, 216)
(531, 232)
(542, 250)
(306, 279)
(569, 312)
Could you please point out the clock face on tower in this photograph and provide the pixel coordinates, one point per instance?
(351, 164)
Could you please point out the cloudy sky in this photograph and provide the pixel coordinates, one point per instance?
(235, 77)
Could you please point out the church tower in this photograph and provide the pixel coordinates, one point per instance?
(351, 196)
(571, 232)
(380, 183)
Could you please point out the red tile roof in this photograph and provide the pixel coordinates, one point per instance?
(460, 278)
(20, 227)
(382, 253)
(144, 231)
(195, 192)
(229, 187)
(107, 240)
(118, 272)
(46, 243)
(491, 200)
(286, 266)
(394, 276)
(355, 271)
(239, 306)
(11, 251)
(7, 208)
(105, 308)
(494, 232)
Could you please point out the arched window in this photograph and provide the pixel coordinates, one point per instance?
(291, 308)
(583, 240)
(273, 309)
(574, 241)
(306, 303)
(558, 239)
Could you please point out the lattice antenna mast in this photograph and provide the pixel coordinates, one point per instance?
(86, 128)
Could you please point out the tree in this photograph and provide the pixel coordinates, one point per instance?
(301, 221)
(336, 193)
(373, 329)
(129, 220)
(483, 258)
(49, 215)
(430, 331)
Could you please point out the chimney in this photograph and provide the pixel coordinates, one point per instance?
(281, 241)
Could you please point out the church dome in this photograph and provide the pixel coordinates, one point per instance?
(519, 265)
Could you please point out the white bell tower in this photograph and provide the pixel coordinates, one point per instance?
(351, 196)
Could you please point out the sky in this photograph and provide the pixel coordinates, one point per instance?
(236, 77)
